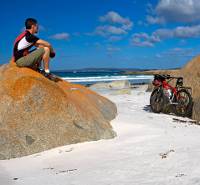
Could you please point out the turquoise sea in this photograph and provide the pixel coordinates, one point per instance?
(90, 77)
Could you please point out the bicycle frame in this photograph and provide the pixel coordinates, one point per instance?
(167, 86)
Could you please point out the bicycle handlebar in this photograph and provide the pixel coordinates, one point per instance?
(169, 77)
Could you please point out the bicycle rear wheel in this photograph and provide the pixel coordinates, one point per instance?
(156, 100)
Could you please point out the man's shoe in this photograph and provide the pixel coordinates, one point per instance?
(52, 77)
(41, 71)
(47, 74)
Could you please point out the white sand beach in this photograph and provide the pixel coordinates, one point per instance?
(150, 149)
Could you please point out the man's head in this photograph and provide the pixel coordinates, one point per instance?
(31, 24)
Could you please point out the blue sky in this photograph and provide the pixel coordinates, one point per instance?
(108, 33)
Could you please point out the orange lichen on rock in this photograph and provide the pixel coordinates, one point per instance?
(40, 114)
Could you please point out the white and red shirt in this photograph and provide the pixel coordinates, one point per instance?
(23, 44)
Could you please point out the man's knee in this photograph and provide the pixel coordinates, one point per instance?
(46, 50)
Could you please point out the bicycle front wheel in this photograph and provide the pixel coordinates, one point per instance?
(184, 103)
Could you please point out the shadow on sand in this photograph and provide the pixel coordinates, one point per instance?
(147, 108)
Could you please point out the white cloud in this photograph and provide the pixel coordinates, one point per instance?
(179, 52)
(114, 38)
(144, 40)
(164, 33)
(60, 36)
(114, 18)
(185, 11)
(109, 30)
(187, 32)
(114, 26)
(181, 32)
(155, 20)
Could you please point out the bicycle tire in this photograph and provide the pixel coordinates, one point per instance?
(157, 100)
(184, 108)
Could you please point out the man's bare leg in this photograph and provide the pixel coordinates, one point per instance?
(46, 59)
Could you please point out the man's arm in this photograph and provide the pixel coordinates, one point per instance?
(43, 43)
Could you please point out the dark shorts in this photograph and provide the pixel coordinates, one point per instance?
(31, 59)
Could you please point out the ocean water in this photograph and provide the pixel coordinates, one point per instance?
(92, 77)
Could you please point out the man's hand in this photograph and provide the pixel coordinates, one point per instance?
(43, 43)
(52, 54)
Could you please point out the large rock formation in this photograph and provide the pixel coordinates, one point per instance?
(37, 114)
(191, 74)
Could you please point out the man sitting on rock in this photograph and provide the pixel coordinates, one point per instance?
(24, 57)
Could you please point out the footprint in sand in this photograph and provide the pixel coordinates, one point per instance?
(50, 168)
(66, 171)
(37, 155)
(180, 175)
(67, 150)
(165, 155)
